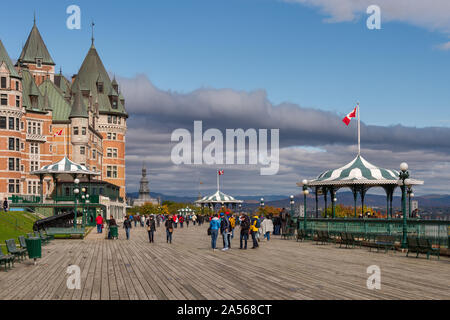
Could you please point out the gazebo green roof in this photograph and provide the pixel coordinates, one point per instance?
(358, 171)
(65, 166)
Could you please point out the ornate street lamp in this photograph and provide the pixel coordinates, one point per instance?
(240, 208)
(334, 205)
(76, 191)
(262, 203)
(305, 193)
(404, 182)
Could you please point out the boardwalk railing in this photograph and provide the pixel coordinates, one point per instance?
(438, 232)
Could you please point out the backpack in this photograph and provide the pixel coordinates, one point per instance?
(233, 222)
(258, 223)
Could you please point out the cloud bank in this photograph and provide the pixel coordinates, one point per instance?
(311, 141)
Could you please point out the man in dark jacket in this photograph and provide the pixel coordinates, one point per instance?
(151, 228)
(169, 228)
(224, 230)
(127, 226)
(244, 221)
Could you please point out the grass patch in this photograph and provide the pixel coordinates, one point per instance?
(14, 224)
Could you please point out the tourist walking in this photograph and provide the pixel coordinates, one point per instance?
(143, 221)
(277, 225)
(175, 221)
(245, 229)
(194, 219)
(99, 221)
(181, 219)
(233, 225)
(127, 226)
(112, 223)
(169, 228)
(254, 227)
(5, 205)
(224, 230)
(158, 220)
(214, 226)
(267, 228)
(151, 228)
(187, 221)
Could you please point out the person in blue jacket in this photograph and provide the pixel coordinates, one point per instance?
(214, 225)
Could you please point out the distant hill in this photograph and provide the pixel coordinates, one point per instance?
(345, 198)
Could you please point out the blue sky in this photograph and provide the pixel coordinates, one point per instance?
(284, 48)
(173, 58)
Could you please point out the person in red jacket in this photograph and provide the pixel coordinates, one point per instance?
(99, 221)
(181, 220)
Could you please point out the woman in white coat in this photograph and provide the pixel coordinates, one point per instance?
(267, 227)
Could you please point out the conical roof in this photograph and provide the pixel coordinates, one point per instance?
(218, 197)
(78, 107)
(65, 166)
(4, 58)
(91, 71)
(35, 48)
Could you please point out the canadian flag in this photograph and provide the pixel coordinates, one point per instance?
(349, 117)
(58, 133)
(220, 172)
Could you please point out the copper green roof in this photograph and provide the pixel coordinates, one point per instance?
(30, 89)
(61, 108)
(4, 58)
(91, 72)
(35, 48)
(62, 83)
(78, 107)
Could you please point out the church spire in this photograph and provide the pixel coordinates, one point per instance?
(92, 38)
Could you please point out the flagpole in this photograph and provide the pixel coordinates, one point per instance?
(218, 176)
(359, 132)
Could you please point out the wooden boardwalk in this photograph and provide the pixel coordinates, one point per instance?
(189, 269)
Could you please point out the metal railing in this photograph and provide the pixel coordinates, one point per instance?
(25, 199)
(438, 232)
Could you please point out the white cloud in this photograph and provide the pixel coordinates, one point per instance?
(430, 14)
(444, 46)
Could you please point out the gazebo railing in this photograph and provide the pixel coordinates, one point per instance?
(25, 199)
(438, 232)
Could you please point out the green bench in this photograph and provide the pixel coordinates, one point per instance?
(322, 237)
(12, 249)
(65, 232)
(289, 233)
(385, 242)
(301, 234)
(421, 245)
(6, 260)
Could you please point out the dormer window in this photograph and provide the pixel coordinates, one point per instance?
(114, 102)
(39, 63)
(100, 87)
(3, 83)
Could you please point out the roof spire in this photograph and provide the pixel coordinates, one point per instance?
(34, 18)
(92, 26)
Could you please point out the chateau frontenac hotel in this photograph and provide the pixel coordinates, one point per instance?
(45, 117)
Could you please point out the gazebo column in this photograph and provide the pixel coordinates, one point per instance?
(325, 191)
(317, 202)
(363, 195)
(390, 201)
(355, 198)
(41, 182)
(333, 203)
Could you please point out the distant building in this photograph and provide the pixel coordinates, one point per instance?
(144, 191)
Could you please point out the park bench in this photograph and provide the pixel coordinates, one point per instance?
(289, 233)
(346, 239)
(12, 249)
(6, 259)
(22, 242)
(322, 237)
(421, 245)
(42, 236)
(301, 234)
(385, 242)
(66, 231)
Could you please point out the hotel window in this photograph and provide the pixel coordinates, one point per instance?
(17, 186)
(109, 119)
(82, 150)
(114, 102)
(4, 100)
(3, 83)
(94, 154)
(109, 135)
(17, 124)
(109, 153)
(75, 131)
(11, 123)
(39, 125)
(100, 87)
(11, 164)
(34, 146)
(17, 102)
(17, 164)
(109, 172)
(34, 165)
(33, 127)
(114, 136)
(17, 144)
(115, 119)
(17, 86)
(11, 144)
(114, 153)
(2, 122)
(11, 186)
(114, 171)
(39, 63)
(119, 120)
(83, 131)
(21, 125)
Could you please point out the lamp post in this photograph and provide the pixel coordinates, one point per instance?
(262, 203)
(334, 205)
(76, 191)
(403, 182)
(240, 208)
(305, 193)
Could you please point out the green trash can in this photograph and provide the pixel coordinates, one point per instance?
(34, 248)
(114, 232)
